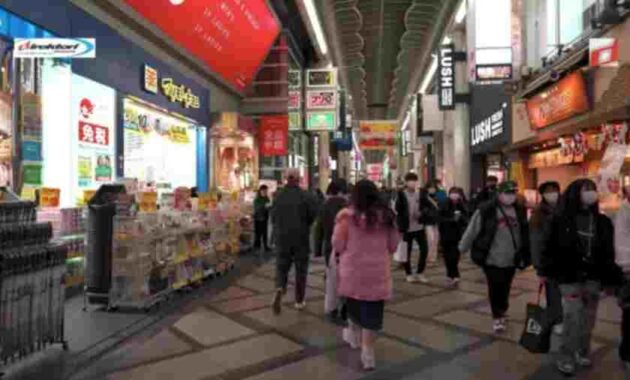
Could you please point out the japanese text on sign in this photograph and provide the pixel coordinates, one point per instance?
(321, 99)
(179, 94)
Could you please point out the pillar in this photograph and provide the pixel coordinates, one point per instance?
(461, 123)
(324, 163)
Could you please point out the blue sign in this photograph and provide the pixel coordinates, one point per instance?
(31, 150)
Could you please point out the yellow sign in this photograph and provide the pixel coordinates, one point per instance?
(147, 201)
(49, 197)
(28, 193)
(178, 134)
(179, 94)
(150, 79)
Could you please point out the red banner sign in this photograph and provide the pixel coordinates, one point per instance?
(93, 134)
(560, 101)
(232, 37)
(274, 135)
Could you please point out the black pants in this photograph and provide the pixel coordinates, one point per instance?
(451, 260)
(261, 234)
(499, 286)
(421, 238)
(554, 301)
(284, 260)
(624, 348)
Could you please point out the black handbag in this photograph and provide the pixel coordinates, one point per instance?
(536, 336)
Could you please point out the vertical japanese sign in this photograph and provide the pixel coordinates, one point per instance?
(94, 118)
(446, 78)
(274, 135)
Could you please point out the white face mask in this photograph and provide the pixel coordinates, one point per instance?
(589, 197)
(454, 197)
(551, 198)
(507, 199)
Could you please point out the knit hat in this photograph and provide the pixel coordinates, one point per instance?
(508, 187)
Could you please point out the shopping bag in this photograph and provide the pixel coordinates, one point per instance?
(400, 256)
(536, 337)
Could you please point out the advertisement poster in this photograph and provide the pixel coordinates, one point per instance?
(608, 177)
(31, 150)
(323, 99)
(231, 37)
(295, 121)
(32, 174)
(49, 197)
(6, 134)
(321, 121)
(377, 135)
(31, 115)
(93, 124)
(147, 201)
(85, 171)
(159, 148)
(274, 135)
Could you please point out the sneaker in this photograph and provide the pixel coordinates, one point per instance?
(423, 279)
(411, 279)
(498, 325)
(583, 361)
(367, 358)
(277, 302)
(567, 368)
(300, 305)
(453, 282)
(350, 337)
(558, 329)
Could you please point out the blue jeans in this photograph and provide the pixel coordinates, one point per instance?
(579, 303)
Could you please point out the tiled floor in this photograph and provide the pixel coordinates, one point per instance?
(430, 332)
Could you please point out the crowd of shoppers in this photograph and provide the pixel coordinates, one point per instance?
(575, 249)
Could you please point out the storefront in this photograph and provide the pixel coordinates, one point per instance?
(490, 129)
(234, 152)
(576, 127)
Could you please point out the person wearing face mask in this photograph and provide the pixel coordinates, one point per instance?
(581, 258)
(430, 216)
(409, 219)
(453, 219)
(488, 193)
(498, 239)
(540, 230)
(622, 258)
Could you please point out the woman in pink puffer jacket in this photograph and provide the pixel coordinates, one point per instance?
(365, 237)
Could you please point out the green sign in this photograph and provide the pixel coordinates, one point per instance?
(321, 121)
(33, 174)
(295, 121)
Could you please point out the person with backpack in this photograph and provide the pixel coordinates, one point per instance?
(293, 213)
(581, 258)
(454, 217)
(498, 239)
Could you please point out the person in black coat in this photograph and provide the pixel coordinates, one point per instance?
(454, 216)
(581, 258)
(429, 203)
(409, 204)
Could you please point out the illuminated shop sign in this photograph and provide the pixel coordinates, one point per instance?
(324, 99)
(446, 77)
(174, 92)
(54, 48)
(490, 127)
(321, 78)
(494, 72)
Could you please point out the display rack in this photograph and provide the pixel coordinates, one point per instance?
(32, 289)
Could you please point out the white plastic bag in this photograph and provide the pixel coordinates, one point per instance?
(331, 300)
(400, 256)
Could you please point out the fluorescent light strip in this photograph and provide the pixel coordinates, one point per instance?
(461, 12)
(429, 76)
(405, 123)
(317, 26)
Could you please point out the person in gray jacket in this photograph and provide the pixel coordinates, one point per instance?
(539, 232)
(498, 240)
(293, 213)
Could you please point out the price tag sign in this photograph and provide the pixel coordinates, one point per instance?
(49, 197)
(147, 201)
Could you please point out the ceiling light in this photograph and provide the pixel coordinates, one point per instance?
(316, 25)
(461, 12)
(447, 40)
(428, 76)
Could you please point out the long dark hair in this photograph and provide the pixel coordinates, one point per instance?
(367, 202)
(460, 191)
(571, 203)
